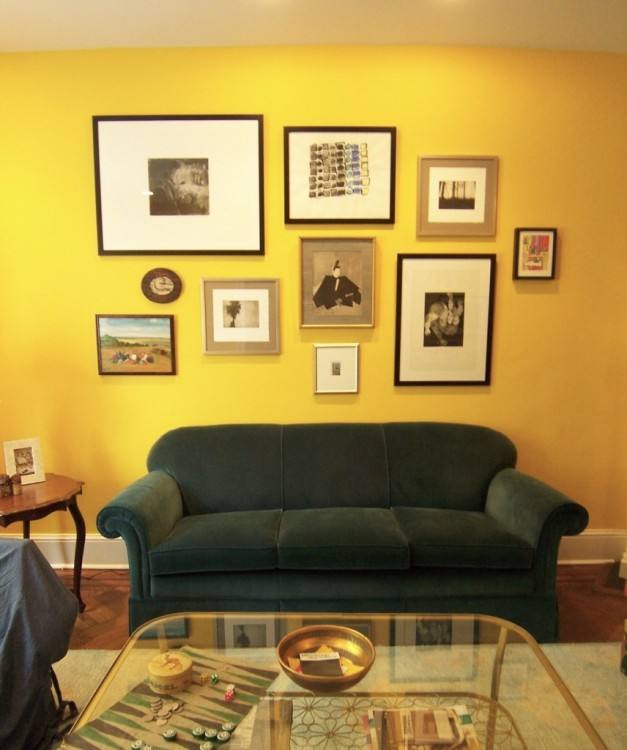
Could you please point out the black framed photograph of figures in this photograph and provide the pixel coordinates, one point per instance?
(339, 175)
(457, 196)
(179, 184)
(337, 282)
(444, 319)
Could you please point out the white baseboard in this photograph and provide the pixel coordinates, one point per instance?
(99, 552)
(592, 546)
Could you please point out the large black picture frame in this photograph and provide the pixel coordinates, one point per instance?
(444, 319)
(179, 184)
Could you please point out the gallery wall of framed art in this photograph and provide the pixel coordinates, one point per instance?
(561, 172)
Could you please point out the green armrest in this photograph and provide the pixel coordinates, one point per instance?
(538, 514)
(143, 514)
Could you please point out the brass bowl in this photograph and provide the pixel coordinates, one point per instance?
(346, 641)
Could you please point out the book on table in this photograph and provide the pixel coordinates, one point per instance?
(421, 729)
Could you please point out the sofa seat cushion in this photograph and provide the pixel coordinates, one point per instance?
(341, 539)
(461, 539)
(241, 540)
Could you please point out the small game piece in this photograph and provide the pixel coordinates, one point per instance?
(198, 732)
(200, 678)
(223, 736)
(169, 734)
(228, 726)
(211, 734)
(215, 678)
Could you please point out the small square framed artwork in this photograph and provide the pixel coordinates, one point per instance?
(535, 251)
(457, 196)
(23, 457)
(136, 344)
(337, 282)
(336, 368)
(240, 316)
(339, 175)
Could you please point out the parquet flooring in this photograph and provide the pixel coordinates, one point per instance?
(591, 601)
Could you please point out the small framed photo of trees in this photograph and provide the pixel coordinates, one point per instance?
(240, 316)
(457, 196)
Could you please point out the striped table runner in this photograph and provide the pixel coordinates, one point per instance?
(204, 705)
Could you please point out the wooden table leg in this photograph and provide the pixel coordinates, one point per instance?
(79, 549)
(26, 528)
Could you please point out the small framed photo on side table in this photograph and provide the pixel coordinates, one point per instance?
(23, 457)
(535, 251)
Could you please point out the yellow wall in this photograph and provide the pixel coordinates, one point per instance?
(557, 122)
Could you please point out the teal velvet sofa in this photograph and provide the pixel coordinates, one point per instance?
(357, 517)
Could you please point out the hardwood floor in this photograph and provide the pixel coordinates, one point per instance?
(591, 601)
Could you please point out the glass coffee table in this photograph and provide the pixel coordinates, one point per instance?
(489, 672)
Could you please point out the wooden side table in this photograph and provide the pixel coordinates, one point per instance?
(39, 500)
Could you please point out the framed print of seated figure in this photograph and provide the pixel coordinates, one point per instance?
(337, 282)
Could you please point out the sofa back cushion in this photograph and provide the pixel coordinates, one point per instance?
(223, 467)
(334, 465)
(439, 465)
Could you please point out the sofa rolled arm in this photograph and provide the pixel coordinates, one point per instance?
(537, 513)
(143, 514)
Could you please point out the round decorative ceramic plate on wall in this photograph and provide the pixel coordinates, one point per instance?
(162, 285)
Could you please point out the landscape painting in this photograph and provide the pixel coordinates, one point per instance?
(135, 344)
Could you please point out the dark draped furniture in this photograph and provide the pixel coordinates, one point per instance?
(357, 517)
(37, 615)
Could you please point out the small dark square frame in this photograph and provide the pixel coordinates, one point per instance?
(520, 233)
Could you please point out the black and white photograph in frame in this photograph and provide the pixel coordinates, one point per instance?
(444, 319)
(179, 184)
(421, 640)
(457, 196)
(339, 175)
(240, 316)
(336, 368)
(249, 632)
(337, 282)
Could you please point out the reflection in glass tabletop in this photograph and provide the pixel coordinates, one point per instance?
(486, 673)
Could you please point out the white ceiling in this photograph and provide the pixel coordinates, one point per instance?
(29, 25)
